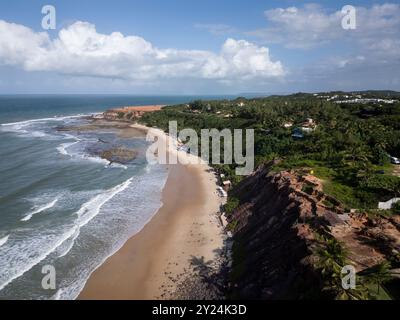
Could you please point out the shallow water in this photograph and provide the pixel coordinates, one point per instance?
(61, 205)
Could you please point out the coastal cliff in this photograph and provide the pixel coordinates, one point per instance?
(283, 228)
(129, 113)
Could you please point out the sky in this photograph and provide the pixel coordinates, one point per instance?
(198, 47)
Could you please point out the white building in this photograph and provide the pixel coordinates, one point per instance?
(388, 204)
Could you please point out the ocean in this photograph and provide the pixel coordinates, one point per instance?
(60, 205)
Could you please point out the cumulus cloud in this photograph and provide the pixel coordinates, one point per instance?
(367, 57)
(80, 50)
(312, 25)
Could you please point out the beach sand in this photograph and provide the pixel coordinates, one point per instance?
(158, 259)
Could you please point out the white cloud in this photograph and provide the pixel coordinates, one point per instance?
(312, 25)
(367, 57)
(20, 45)
(244, 59)
(80, 50)
(217, 29)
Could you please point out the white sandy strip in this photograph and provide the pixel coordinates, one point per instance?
(166, 145)
(209, 230)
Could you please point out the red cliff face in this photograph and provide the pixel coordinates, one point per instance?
(276, 230)
(129, 113)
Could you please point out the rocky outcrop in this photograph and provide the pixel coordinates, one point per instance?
(276, 231)
(129, 113)
(118, 154)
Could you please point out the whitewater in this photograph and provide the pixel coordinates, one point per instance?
(63, 206)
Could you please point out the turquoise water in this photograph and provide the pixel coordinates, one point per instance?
(59, 204)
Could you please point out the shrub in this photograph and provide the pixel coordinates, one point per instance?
(308, 189)
(121, 115)
(231, 204)
(396, 208)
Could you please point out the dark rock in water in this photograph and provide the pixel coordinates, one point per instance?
(120, 155)
(63, 128)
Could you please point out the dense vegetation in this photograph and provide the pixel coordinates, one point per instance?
(349, 147)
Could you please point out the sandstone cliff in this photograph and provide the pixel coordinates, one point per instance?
(129, 113)
(277, 231)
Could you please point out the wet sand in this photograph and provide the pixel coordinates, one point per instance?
(154, 261)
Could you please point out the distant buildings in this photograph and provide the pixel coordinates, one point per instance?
(353, 98)
(367, 100)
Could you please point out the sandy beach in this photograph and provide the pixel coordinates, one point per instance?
(185, 233)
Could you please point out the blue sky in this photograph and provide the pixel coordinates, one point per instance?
(185, 47)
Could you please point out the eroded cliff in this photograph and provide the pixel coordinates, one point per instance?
(279, 231)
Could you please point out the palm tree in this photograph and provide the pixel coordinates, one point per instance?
(379, 274)
(357, 153)
(365, 173)
(332, 258)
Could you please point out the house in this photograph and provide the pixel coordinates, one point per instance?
(227, 185)
(308, 125)
(288, 124)
(388, 204)
(309, 122)
(222, 192)
(307, 129)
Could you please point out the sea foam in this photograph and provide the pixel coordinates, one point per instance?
(24, 128)
(40, 209)
(4, 240)
(16, 265)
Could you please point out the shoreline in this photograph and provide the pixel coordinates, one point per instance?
(157, 261)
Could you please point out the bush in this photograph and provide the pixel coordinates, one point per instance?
(231, 205)
(396, 208)
(308, 189)
(383, 183)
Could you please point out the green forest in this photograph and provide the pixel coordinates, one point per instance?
(347, 145)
